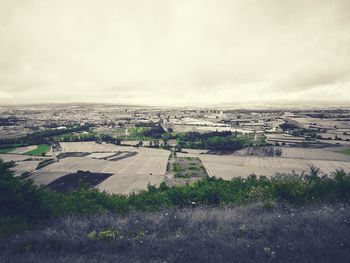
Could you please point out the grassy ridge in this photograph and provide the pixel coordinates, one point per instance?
(22, 200)
(188, 223)
(252, 233)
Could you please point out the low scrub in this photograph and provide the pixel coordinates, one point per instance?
(19, 198)
(250, 233)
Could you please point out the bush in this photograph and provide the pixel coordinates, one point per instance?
(24, 202)
(20, 198)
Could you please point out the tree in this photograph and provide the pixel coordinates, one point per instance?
(156, 143)
(20, 198)
(278, 152)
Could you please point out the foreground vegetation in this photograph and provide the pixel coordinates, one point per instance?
(23, 202)
(251, 233)
(201, 220)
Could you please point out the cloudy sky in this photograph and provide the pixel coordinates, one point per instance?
(174, 52)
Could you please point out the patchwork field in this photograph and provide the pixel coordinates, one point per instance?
(72, 164)
(24, 163)
(45, 177)
(228, 167)
(93, 147)
(20, 150)
(25, 166)
(39, 150)
(27, 150)
(132, 168)
(292, 159)
(134, 173)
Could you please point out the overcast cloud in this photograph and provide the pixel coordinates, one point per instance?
(180, 52)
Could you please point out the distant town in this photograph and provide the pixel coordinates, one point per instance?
(318, 128)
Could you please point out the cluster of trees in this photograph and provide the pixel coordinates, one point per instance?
(154, 132)
(217, 141)
(264, 151)
(83, 137)
(156, 143)
(290, 126)
(76, 137)
(42, 137)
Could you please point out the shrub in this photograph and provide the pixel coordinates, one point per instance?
(20, 198)
(24, 202)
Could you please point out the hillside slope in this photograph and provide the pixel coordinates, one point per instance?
(252, 233)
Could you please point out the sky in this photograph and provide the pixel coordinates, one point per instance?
(174, 52)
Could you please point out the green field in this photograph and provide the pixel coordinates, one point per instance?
(346, 151)
(7, 150)
(134, 133)
(41, 148)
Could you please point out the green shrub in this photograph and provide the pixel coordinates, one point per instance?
(27, 203)
(20, 198)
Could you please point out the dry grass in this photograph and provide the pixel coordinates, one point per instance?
(237, 234)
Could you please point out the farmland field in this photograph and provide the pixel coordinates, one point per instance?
(27, 150)
(18, 150)
(40, 149)
(292, 159)
(25, 166)
(73, 182)
(7, 150)
(132, 168)
(45, 177)
(134, 173)
(347, 151)
(24, 149)
(303, 153)
(228, 167)
(93, 147)
(71, 164)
